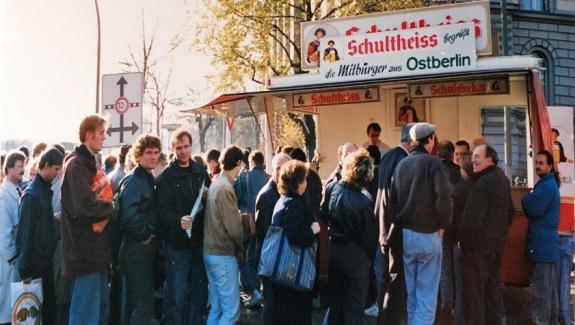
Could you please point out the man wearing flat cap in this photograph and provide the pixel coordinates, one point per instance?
(421, 203)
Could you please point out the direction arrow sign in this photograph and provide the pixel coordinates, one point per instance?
(121, 129)
(122, 101)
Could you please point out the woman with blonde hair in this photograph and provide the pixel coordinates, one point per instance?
(353, 240)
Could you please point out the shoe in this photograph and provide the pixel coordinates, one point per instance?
(255, 299)
(372, 311)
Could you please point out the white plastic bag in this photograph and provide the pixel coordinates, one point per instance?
(27, 302)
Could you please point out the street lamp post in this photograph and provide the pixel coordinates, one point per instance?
(98, 59)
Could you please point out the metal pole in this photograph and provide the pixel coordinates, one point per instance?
(508, 143)
(506, 112)
(98, 60)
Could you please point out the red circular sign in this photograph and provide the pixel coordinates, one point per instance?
(121, 105)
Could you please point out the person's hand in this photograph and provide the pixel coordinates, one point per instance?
(186, 222)
(441, 231)
(205, 193)
(27, 280)
(315, 228)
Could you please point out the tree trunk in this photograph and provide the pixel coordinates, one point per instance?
(310, 137)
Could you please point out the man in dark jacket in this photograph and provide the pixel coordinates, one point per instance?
(179, 189)
(389, 257)
(542, 207)
(86, 253)
(137, 218)
(445, 152)
(265, 203)
(37, 236)
(115, 233)
(333, 179)
(247, 186)
(421, 203)
(482, 232)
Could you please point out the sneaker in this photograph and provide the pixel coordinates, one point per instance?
(372, 311)
(255, 299)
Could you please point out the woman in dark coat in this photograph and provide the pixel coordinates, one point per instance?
(290, 306)
(354, 233)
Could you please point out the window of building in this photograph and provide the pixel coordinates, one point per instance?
(493, 131)
(536, 5)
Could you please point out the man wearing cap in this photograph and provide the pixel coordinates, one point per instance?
(421, 204)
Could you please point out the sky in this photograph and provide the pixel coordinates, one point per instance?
(48, 58)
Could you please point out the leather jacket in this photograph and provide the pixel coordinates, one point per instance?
(138, 205)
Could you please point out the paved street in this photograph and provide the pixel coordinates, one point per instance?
(517, 305)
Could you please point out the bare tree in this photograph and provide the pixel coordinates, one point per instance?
(156, 90)
(204, 122)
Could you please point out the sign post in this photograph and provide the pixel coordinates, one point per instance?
(122, 102)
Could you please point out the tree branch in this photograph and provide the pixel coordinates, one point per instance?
(254, 17)
(285, 49)
(334, 10)
(249, 64)
(302, 9)
(276, 27)
(317, 7)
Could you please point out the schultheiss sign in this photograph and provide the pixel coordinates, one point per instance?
(430, 50)
(316, 33)
(338, 97)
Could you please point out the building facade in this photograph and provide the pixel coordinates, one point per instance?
(545, 29)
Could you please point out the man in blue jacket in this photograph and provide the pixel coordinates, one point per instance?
(139, 246)
(542, 208)
(37, 237)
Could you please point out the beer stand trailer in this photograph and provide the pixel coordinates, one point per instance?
(500, 99)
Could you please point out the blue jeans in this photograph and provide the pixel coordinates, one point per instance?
(90, 299)
(543, 293)
(566, 250)
(187, 286)
(458, 317)
(248, 269)
(224, 289)
(422, 267)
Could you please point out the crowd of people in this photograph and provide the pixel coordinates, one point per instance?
(412, 234)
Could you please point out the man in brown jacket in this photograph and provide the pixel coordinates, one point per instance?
(223, 241)
(85, 250)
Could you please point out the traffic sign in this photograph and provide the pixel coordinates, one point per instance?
(122, 103)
